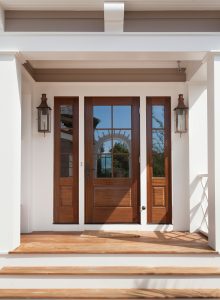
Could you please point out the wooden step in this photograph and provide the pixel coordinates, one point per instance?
(108, 293)
(111, 271)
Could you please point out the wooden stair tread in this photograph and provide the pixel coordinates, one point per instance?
(110, 271)
(108, 293)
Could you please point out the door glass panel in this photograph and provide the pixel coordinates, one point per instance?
(158, 153)
(121, 165)
(66, 140)
(157, 116)
(102, 141)
(66, 165)
(103, 166)
(112, 147)
(102, 117)
(122, 116)
(66, 116)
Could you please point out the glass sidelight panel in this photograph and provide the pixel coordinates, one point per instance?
(66, 116)
(112, 141)
(158, 116)
(158, 146)
(158, 153)
(66, 140)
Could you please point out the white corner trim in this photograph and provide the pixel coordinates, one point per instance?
(2, 19)
(114, 17)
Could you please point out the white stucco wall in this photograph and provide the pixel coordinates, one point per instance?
(39, 202)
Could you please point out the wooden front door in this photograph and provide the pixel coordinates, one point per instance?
(159, 203)
(112, 160)
(66, 160)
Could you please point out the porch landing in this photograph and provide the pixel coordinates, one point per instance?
(100, 242)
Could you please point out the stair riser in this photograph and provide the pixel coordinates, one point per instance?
(110, 260)
(86, 282)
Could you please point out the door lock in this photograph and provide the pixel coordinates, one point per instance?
(143, 207)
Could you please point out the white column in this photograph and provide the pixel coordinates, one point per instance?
(10, 152)
(197, 99)
(213, 91)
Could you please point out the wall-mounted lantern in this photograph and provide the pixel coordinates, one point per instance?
(44, 115)
(181, 116)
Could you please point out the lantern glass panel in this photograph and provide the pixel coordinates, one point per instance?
(181, 120)
(44, 120)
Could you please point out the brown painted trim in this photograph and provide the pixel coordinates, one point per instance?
(63, 21)
(93, 21)
(172, 21)
(107, 75)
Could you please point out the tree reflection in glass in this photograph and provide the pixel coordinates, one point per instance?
(158, 140)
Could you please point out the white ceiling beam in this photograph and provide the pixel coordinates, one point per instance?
(114, 16)
(2, 19)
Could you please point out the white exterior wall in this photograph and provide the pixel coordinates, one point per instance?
(40, 198)
(10, 151)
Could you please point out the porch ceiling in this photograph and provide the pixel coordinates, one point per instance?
(111, 59)
(130, 5)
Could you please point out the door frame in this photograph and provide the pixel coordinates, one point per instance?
(59, 100)
(168, 158)
(114, 100)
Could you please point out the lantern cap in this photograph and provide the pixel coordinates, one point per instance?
(181, 104)
(44, 103)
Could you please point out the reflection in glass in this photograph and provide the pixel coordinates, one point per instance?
(122, 116)
(102, 117)
(66, 141)
(112, 147)
(102, 141)
(157, 116)
(158, 153)
(66, 116)
(104, 166)
(121, 165)
(66, 165)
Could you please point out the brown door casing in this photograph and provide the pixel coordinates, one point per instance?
(112, 160)
(159, 203)
(66, 160)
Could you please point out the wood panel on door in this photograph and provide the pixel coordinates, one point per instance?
(66, 160)
(159, 204)
(112, 160)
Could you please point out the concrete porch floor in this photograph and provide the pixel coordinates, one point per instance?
(102, 242)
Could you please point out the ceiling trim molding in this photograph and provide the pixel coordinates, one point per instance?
(112, 19)
(54, 21)
(107, 75)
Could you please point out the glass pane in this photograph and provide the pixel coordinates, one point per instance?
(102, 117)
(102, 141)
(121, 165)
(122, 141)
(122, 116)
(181, 121)
(66, 116)
(66, 141)
(157, 116)
(158, 153)
(66, 165)
(103, 166)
